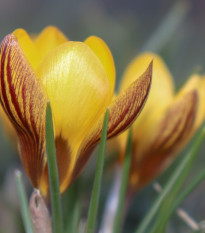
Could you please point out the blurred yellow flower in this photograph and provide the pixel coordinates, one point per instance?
(165, 124)
(78, 78)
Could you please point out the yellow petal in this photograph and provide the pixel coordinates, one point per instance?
(161, 92)
(28, 47)
(50, 38)
(78, 89)
(24, 101)
(166, 138)
(100, 48)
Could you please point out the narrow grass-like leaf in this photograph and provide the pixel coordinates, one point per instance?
(181, 196)
(175, 181)
(74, 207)
(170, 199)
(187, 190)
(23, 202)
(93, 208)
(55, 197)
(160, 223)
(124, 182)
(168, 27)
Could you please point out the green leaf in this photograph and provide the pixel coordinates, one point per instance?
(187, 190)
(55, 196)
(168, 27)
(174, 183)
(171, 196)
(93, 208)
(124, 182)
(73, 206)
(23, 203)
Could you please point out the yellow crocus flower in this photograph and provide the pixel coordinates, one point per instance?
(165, 124)
(78, 79)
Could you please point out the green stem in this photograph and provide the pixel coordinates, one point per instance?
(124, 182)
(24, 203)
(93, 208)
(55, 196)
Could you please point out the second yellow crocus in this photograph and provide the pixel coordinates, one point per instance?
(167, 121)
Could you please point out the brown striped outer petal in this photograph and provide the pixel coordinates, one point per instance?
(177, 123)
(126, 107)
(173, 132)
(24, 101)
(123, 111)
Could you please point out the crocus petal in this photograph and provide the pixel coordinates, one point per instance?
(50, 38)
(102, 51)
(196, 82)
(36, 49)
(28, 47)
(79, 92)
(166, 139)
(161, 91)
(126, 107)
(78, 89)
(24, 101)
(123, 111)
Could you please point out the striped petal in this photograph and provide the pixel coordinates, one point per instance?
(161, 92)
(196, 82)
(167, 137)
(123, 111)
(24, 101)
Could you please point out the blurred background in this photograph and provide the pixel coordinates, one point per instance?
(128, 27)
